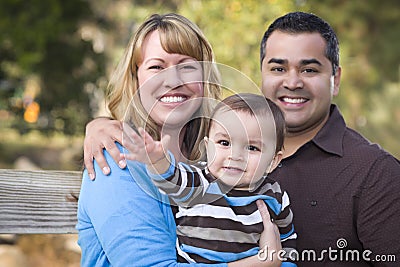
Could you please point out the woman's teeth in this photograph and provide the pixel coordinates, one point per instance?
(172, 99)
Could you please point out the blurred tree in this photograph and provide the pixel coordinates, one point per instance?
(39, 40)
(369, 42)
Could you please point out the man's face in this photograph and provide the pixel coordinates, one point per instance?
(297, 76)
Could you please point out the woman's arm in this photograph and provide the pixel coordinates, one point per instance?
(120, 224)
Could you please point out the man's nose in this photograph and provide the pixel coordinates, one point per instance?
(293, 80)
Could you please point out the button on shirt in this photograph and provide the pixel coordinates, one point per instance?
(345, 195)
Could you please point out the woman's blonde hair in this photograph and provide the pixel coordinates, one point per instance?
(178, 35)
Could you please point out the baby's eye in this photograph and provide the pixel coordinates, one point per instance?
(223, 143)
(253, 148)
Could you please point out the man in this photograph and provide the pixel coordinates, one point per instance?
(344, 190)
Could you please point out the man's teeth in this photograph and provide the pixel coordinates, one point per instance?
(294, 100)
(172, 99)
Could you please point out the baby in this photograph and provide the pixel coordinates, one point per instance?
(218, 219)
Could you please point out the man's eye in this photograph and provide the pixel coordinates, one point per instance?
(223, 143)
(309, 70)
(253, 148)
(277, 69)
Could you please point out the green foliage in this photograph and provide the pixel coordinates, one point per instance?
(40, 39)
(44, 39)
(235, 28)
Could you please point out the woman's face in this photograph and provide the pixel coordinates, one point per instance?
(170, 85)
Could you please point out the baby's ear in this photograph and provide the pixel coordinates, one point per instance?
(275, 161)
(205, 140)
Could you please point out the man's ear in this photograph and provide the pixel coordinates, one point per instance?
(336, 81)
(275, 161)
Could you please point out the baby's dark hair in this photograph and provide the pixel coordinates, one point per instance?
(256, 105)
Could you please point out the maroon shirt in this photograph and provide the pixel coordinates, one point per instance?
(345, 196)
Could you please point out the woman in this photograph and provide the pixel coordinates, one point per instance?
(119, 222)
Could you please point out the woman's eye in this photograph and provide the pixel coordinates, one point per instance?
(155, 67)
(223, 143)
(188, 67)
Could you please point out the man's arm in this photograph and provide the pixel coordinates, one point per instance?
(378, 212)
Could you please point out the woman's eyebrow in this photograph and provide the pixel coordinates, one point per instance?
(153, 59)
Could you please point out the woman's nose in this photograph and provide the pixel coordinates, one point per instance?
(172, 78)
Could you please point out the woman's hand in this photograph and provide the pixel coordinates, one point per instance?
(270, 243)
(102, 133)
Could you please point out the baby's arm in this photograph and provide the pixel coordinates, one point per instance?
(170, 176)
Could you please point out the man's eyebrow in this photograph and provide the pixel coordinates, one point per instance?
(310, 61)
(277, 61)
(303, 62)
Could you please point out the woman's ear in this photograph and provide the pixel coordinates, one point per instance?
(275, 161)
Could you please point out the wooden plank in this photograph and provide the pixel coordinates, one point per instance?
(38, 202)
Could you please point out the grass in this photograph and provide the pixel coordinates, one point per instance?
(47, 152)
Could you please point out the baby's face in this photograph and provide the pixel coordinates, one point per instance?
(240, 148)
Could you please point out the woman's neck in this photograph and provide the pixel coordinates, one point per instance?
(175, 145)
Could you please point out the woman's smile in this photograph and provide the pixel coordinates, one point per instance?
(173, 99)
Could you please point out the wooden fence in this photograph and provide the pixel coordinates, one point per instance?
(38, 202)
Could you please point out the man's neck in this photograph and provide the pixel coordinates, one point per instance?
(294, 140)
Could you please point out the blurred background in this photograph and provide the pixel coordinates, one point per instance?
(56, 57)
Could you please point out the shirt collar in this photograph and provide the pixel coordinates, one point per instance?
(330, 137)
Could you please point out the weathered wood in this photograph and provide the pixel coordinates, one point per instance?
(38, 202)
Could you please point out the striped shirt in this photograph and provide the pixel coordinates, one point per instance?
(217, 225)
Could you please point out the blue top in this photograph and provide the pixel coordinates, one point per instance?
(120, 224)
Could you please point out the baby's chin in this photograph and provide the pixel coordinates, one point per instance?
(229, 184)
